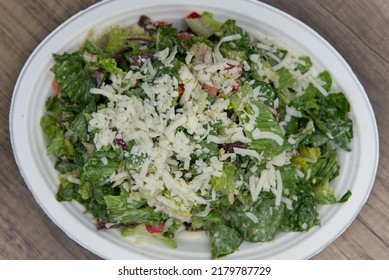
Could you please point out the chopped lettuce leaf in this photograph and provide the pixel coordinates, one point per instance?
(303, 215)
(204, 26)
(68, 192)
(304, 68)
(224, 240)
(74, 80)
(227, 179)
(142, 231)
(285, 79)
(117, 40)
(324, 193)
(167, 38)
(306, 156)
(345, 197)
(57, 144)
(108, 64)
(266, 122)
(230, 27)
(96, 171)
(259, 222)
(79, 126)
(327, 80)
(50, 126)
(53, 107)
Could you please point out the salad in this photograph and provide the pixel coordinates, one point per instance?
(157, 130)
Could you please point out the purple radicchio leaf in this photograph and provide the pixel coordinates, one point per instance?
(229, 148)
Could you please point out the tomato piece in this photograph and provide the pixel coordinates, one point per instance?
(181, 89)
(194, 15)
(210, 89)
(155, 229)
(237, 86)
(159, 24)
(184, 36)
(230, 66)
(54, 86)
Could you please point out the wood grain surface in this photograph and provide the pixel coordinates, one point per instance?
(358, 29)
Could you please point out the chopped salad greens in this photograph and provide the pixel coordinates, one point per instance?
(157, 130)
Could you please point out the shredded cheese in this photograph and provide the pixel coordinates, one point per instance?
(163, 133)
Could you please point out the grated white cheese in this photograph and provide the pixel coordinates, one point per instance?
(270, 135)
(272, 55)
(293, 112)
(248, 152)
(229, 38)
(288, 203)
(188, 58)
(73, 179)
(264, 46)
(246, 66)
(104, 160)
(217, 140)
(318, 85)
(252, 217)
(279, 188)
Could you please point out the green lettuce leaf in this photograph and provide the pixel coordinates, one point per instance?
(326, 78)
(50, 126)
(268, 220)
(67, 191)
(266, 122)
(97, 172)
(120, 210)
(60, 146)
(307, 64)
(226, 180)
(241, 48)
(307, 155)
(324, 193)
(108, 64)
(304, 214)
(229, 27)
(117, 40)
(73, 79)
(330, 114)
(224, 240)
(166, 37)
(204, 26)
(79, 126)
(53, 107)
(141, 230)
(285, 79)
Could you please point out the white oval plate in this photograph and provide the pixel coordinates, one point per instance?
(34, 86)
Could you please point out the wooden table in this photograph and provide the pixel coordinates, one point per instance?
(358, 29)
